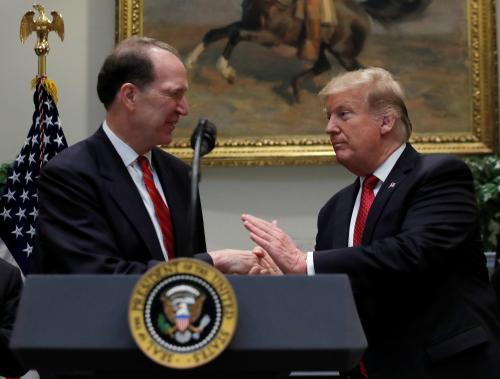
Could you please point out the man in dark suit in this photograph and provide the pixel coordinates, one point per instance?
(11, 285)
(406, 233)
(115, 203)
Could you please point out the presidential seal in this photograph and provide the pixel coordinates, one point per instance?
(182, 314)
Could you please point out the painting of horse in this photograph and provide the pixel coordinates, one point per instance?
(274, 22)
(247, 80)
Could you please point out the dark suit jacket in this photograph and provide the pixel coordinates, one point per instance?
(495, 281)
(10, 292)
(419, 279)
(495, 277)
(92, 218)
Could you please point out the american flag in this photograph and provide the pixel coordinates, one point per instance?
(19, 201)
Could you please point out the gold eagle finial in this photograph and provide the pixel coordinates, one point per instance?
(42, 26)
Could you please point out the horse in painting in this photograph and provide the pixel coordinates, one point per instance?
(273, 22)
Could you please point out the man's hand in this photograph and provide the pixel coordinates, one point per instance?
(242, 262)
(267, 262)
(277, 243)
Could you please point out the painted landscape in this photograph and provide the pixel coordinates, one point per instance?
(428, 54)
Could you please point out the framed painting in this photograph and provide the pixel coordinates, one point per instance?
(442, 51)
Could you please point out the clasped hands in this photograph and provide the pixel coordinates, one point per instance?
(275, 253)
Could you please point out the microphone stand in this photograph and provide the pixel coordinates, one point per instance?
(195, 179)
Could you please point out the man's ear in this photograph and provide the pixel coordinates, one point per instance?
(387, 123)
(128, 95)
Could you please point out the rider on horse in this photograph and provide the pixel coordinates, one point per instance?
(314, 13)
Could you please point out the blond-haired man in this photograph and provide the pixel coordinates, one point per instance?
(406, 233)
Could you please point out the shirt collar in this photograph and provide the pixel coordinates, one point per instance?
(383, 171)
(126, 153)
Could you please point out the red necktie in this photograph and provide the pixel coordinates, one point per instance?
(161, 210)
(367, 196)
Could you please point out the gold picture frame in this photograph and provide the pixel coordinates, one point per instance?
(471, 127)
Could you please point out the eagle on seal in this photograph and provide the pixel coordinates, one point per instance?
(183, 315)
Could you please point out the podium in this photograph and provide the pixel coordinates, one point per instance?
(77, 326)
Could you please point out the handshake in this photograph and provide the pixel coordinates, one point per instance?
(275, 253)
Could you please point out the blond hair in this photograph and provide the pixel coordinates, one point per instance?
(384, 95)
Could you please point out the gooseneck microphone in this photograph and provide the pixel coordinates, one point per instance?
(202, 142)
(206, 133)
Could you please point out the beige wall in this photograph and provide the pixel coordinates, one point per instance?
(292, 195)
(73, 64)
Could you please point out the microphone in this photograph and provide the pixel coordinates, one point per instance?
(208, 134)
(202, 142)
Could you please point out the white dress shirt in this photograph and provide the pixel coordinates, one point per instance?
(382, 172)
(129, 158)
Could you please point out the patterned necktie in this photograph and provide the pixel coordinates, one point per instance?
(367, 196)
(161, 210)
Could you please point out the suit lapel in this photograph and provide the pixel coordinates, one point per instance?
(121, 188)
(400, 171)
(343, 214)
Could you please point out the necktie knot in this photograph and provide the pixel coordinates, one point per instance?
(143, 162)
(370, 182)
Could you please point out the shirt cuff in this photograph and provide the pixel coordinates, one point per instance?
(310, 263)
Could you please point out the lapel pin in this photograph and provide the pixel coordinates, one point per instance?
(392, 185)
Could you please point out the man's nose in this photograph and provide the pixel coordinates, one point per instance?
(182, 106)
(332, 126)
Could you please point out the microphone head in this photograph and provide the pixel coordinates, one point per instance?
(208, 134)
